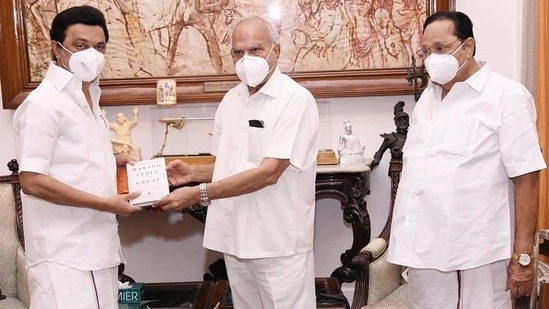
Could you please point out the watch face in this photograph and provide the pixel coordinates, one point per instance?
(524, 259)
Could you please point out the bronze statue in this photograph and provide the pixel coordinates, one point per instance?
(395, 140)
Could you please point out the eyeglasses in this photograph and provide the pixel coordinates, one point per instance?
(437, 48)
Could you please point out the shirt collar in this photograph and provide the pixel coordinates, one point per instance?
(58, 76)
(479, 79)
(62, 78)
(270, 88)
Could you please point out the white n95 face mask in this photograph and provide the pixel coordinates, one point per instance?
(87, 64)
(442, 68)
(252, 70)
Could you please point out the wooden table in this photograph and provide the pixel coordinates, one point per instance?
(348, 184)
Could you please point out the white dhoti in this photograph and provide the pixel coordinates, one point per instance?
(55, 286)
(478, 288)
(269, 283)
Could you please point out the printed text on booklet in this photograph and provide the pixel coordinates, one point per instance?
(150, 178)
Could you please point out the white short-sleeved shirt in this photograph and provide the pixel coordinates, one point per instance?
(277, 220)
(454, 207)
(58, 135)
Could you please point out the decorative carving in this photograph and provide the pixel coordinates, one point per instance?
(415, 73)
(13, 166)
(350, 189)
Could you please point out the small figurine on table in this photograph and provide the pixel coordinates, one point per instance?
(350, 150)
(122, 128)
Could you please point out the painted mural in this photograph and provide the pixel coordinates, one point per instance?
(171, 38)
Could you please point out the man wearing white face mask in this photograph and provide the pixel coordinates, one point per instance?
(465, 214)
(262, 186)
(68, 173)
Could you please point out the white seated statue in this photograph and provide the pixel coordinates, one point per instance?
(122, 142)
(350, 150)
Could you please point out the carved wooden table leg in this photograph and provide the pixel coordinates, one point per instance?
(350, 188)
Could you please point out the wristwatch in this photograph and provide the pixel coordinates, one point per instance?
(523, 259)
(204, 199)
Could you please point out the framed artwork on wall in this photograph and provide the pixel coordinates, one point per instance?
(333, 47)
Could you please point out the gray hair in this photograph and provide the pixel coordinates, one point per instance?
(270, 29)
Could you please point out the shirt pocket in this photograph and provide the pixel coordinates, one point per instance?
(257, 139)
(454, 136)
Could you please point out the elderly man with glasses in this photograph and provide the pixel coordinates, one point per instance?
(465, 214)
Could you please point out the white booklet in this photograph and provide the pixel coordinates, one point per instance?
(150, 178)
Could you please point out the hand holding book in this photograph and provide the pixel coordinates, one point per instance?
(150, 178)
(179, 199)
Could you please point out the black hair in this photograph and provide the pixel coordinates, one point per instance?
(463, 26)
(84, 14)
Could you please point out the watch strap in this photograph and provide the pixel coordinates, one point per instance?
(204, 199)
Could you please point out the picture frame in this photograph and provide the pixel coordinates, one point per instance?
(166, 91)
(18, 73)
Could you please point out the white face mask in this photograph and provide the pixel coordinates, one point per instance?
(252, 69)
(87, 64)
(442, 68)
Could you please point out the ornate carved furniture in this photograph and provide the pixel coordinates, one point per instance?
(349, 185)
(13, 273)
(379, 284)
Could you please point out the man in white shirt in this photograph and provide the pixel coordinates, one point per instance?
(68, 173)
(262, 185)
(467, 205)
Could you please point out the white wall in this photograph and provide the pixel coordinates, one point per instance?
(497, 26)
(167, 247)
(7, 151)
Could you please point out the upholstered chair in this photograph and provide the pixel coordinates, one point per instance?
(380, 284)
(13, 272)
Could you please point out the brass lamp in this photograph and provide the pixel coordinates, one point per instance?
(176, 123)
(170, 122)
